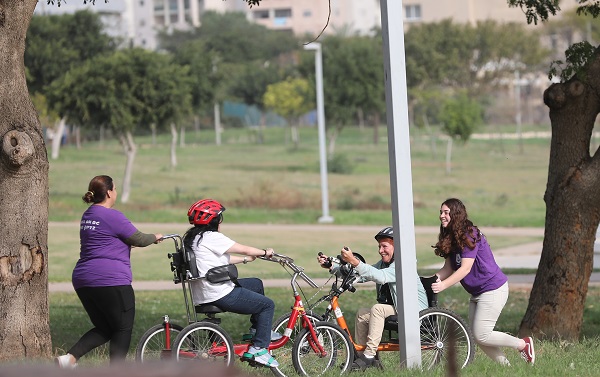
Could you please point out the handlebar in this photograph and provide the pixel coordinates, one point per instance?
(284, 260)
(167, 236)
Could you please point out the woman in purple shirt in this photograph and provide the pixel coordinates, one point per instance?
(469, 260)
(102, 275)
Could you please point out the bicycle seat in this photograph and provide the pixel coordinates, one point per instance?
(208, 309)
(391, 322)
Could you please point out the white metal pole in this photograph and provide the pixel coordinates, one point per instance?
(394, 65)
(325, 218)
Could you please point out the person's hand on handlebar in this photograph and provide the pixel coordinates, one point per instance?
(348, 257)
(268, 253)
(159, 238)
(324, 261)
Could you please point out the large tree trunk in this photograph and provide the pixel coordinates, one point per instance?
(130, 151)
(572, 210)
(24, 328)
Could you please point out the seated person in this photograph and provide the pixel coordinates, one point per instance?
(370, 321)
(212, 249)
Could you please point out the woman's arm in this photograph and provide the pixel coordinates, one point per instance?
(248, 252)
(445, 271)
(458, 275)
(140, 239)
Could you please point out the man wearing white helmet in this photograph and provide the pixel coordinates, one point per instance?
(370, 322)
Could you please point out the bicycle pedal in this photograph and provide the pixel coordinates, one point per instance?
(247, 337)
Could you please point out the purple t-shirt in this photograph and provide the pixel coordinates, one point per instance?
(485, 275)
(104, 257)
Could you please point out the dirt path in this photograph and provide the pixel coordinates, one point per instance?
(518, 256)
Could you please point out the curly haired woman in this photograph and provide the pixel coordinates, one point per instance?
(469, 260)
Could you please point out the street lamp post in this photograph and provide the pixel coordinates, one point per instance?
(325, 218)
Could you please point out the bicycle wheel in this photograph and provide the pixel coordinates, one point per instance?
(284, 354)
(152, 345)
(337, 350)
(204, 342)
(439, 328)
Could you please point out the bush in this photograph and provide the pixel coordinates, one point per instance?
(340, 164)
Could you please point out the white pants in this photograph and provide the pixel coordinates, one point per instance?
(484, 311)
(369, 326)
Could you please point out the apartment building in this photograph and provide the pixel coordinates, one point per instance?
(138, 21)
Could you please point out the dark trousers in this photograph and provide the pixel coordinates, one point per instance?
(249, 298)
(112, 311)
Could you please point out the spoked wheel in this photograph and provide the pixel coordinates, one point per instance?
(204, 342)
(331, 349)
(440, 328)
(153, 344)
(284, 354)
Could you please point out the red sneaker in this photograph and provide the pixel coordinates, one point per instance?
(527, 353)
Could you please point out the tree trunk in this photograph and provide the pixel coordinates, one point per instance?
(58, 133)
(295, 135)
(153, 133)
(333, 135)
(24, 328)
(77, 134)
(173, 146)
(449, 156)
(572, 200)
(376, 123)
(182, 136)
(130, 151)
(217, 115)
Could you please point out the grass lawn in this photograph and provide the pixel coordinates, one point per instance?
(274, 183)
(69, 321)
(501, 183)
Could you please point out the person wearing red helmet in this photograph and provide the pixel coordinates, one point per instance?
(213, 249)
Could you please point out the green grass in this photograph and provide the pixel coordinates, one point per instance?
(273, 183)
(68, 321)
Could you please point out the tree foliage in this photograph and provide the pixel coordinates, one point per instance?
(290, 98)
(56, 43)
(352, 77)
(233, 38)
(460, 116)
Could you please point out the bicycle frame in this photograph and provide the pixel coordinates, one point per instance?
(335, 309)
(298, 310)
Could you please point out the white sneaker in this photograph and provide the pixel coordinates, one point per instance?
(261, 356)
(64, 361)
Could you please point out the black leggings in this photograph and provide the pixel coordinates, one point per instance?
(112, 311)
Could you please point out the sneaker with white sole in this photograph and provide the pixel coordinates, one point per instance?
(64, 361)
(528, 353)
(261, 356)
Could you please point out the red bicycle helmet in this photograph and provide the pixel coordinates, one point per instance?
(203, 211)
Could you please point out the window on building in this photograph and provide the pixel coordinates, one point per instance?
(283, 13)
(307, 13)
(412, 12)
(260, 14)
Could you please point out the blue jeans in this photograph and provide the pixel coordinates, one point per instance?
(249, 298)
